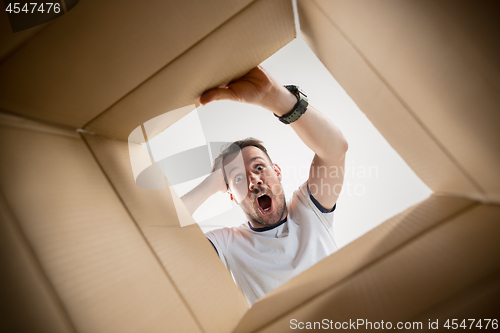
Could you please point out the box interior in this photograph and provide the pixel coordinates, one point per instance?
(85, 249)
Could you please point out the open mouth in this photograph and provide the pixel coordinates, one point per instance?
(265, 203)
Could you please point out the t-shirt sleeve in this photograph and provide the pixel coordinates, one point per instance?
(216, 238)
(317, 204)
(303, 198)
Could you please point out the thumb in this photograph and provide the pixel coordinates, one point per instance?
(216, 95)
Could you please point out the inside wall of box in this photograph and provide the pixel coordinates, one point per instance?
(64, 192)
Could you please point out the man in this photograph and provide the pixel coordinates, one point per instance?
(279, 240)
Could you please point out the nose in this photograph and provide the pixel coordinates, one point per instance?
(254, 181)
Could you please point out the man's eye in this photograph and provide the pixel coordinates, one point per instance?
(260, 168)
(238, 179)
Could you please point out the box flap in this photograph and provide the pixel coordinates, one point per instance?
(87, 245)
(229, 52)
(427, 75)
(398, 281)
(188, 257)
(378, 243)
(86, 60)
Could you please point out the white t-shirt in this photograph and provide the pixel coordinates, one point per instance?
(261, 260)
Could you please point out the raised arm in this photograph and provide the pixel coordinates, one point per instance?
(209, 186)
(326, 174)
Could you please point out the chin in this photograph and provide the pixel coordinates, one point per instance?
(271, 219)
(259, 218)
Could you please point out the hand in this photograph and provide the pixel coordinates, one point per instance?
(217, 176)
(212, 184)
(255, 87)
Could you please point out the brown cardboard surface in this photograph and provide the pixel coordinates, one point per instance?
(481, 300)
(447, 259)
(29, 303)
(87, 245)
(13, 41)
(429, 88)
(98, 52)
(372, 247)
(230, 51)
(187, 256)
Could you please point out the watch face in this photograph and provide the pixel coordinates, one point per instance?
(294, 90)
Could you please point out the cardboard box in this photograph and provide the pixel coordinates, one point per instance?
(85, 249)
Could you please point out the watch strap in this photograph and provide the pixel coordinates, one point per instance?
(298, 109)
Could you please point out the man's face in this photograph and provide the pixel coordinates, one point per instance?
(255, 185)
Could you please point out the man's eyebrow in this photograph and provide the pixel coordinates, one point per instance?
(236, 167)
(232, 169)
(256, 158)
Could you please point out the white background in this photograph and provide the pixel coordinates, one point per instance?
(378, 183)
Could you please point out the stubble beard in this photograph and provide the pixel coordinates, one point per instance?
(280, 208)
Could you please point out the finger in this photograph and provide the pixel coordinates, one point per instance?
(217, 95)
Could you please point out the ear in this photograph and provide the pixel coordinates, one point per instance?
(277, 169)
(232, 197)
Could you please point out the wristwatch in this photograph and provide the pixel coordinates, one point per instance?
(298, 109)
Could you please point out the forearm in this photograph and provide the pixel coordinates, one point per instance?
(258, 87)
(314, 128)
(197, 196)
(320, 135)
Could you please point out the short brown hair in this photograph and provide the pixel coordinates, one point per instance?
(236, 147)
